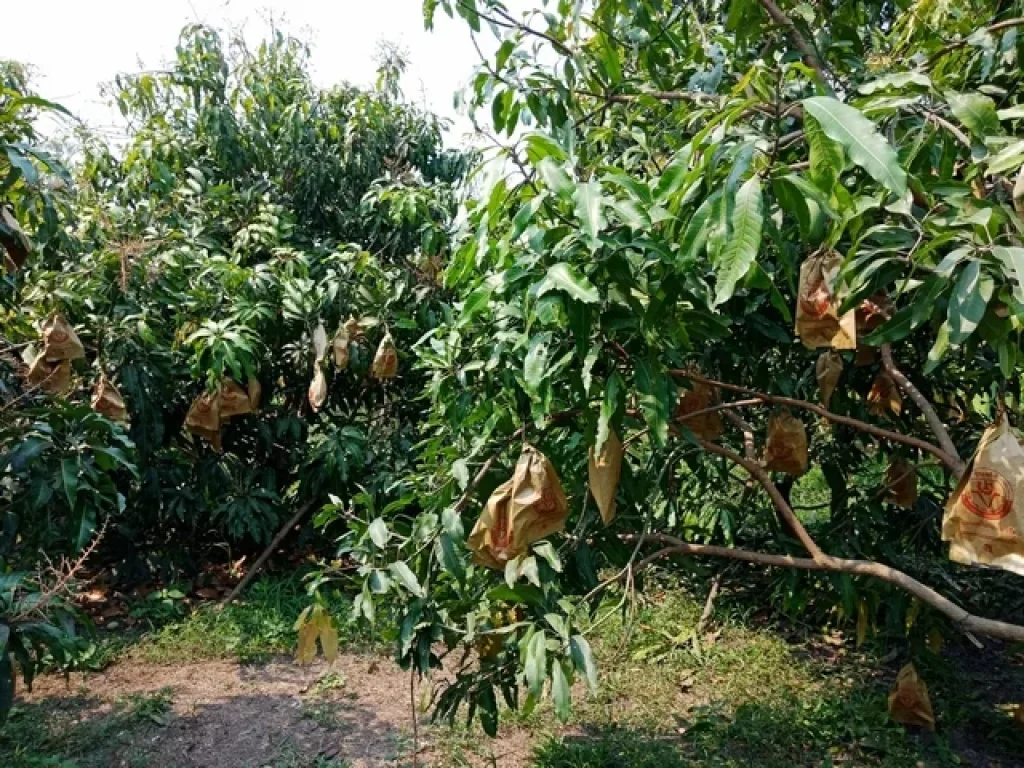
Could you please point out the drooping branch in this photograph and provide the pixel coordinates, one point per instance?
(965, 620)
(951, 461)
(761, 475)
(956, 464)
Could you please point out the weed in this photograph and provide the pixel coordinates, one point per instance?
(153, 707)
(326, 683)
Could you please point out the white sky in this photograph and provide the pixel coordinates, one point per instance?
(75, 45)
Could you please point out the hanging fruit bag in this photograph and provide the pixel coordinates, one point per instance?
(604, 471)
(107, 401)
(699, 396)
(818, 323)
(785, 449)
(827, 371)
(385, 362)
(984, 518)
(520, 511)
(60, 342)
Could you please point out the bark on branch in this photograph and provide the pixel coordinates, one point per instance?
(796, 36)
(965, 620)
(951, 461)
(955, 464)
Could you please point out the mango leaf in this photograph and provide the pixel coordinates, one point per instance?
(583, 658)
(537, 663)
(560, 693)
(967, 305)
(69, 478)
(614, 389)
(938, 349)
(488, 706)
(826, 156)
(743, 243)
(695, 236)
(407, 578)
(565, 277)
(1012, 259)
(535, 366)
(653, 388)
(896, 81)
(555, 177)
(379, 532)
(1010, 158)
(977, 112)
(589, 205)
(861, 140)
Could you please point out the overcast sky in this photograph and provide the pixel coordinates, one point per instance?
(75, 45)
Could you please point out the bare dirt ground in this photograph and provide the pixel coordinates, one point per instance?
(221, 714)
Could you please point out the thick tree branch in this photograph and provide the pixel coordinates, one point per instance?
(956, 464)
(950, 460)
(965, 620)
(801, 42)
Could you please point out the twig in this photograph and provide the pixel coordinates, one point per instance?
(965, 620)
(956, 464)
(748, 433)
(951, 461)
(251, 573)
(956, 44)
(944, 123)
(709, 605)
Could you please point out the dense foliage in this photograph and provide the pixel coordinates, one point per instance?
(250, 215)
(669, 169)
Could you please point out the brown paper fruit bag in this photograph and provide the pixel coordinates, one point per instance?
(13, 239)
(884, 397)
(984, 518)
(317, 389)
(203, 418)
(818, 323)
(51, 377)
(319, 342)
(785, 449)
(520, 511)
(385, 362)
(107, 401)
(901, 483)
(605, 469)
(234, 401)
(339, 346)
(909, 703)
(354, 329)
(254, 391)
(827, 370)
(60, 342)
(697, 397)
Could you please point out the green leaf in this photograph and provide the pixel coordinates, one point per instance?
(408, 579)
(861, 140)
(589, 204)
(630, 213)
(560, 694)
(535, 366)
(475, 303)
(379, 533)
(565, 277)
(546, 550)
(1012, 259)
(69, 478)
(488, 707)
(555, 177)
(673, 177)
(938, 348)
(744, 241)
(977, 112)
(896, 81)
(967, 305)
(450, 559)
(1009, 158)
(695, 236)
(583, 658)
(653, 387)
(614, 391)
(537, 663)
(826, 156)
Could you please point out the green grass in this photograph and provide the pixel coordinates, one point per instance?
(258, 626)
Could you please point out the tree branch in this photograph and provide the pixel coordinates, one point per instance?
(745, 428)
(957, 44)
(965, 620)
(796, 36)
(956, 464)
(950, 460)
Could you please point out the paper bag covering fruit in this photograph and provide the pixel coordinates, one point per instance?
(827, 370)
(52, 378)
(520, 511)
(605, 469)
(818, 323)
(107, 401)
(339, 346)
(60, 342)
(317, 388)
(901, 483)
(884, 397)
(234, 401)
(385, 362)
(984, 518)
(319, 343)
(354, 329)
(697, 397)
(785, 449)
(203, 418)
(909, 703)
(12, 238)
(254, 390)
